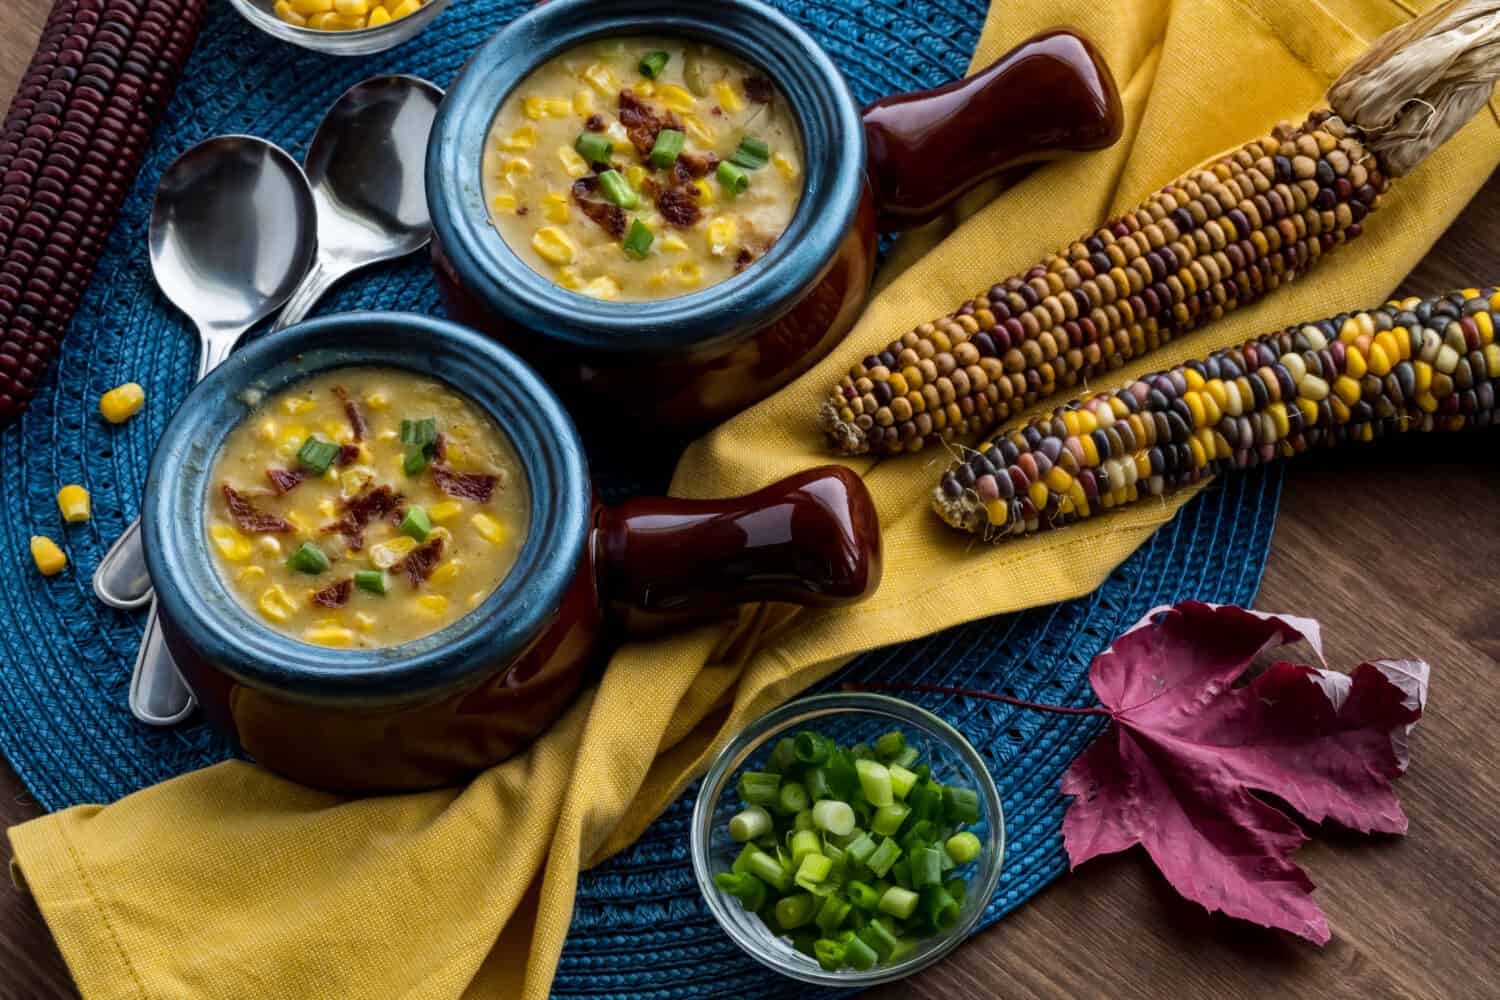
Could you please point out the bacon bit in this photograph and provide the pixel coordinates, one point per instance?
(440, 449)
(523, 210)
(352, 411)
(716, 111)
(465, 485)
(679, 206)
(250, 520)
(607, 215)
(691, 165)
(347, 454)
(283, 481)
(335, 595)
(367, 506)
(595, 122)
(758, 89)
(420, 561)
(642, 122)
(744, 260)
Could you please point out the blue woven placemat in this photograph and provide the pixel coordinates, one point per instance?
(639, 929)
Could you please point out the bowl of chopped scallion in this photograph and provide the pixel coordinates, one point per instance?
(848, 839)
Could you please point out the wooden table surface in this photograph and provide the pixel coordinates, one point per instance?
(1395, 550)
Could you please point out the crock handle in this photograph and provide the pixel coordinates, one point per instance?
(1050, 95)
(811, 539)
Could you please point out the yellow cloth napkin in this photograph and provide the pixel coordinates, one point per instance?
(233, 883)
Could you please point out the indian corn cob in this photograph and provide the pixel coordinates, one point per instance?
(1411, 365)
(1216, 238)
(70, 147)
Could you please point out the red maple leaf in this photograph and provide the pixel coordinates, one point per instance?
(1179, 770)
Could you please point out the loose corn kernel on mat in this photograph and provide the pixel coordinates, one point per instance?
(640, 929)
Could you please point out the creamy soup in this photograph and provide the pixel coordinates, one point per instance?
(643, 168)
(365, 507)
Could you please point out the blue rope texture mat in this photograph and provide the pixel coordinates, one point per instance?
(640, 929)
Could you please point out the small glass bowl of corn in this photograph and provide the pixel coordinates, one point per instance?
(341, 27)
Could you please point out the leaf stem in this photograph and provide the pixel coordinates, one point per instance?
(988, 695)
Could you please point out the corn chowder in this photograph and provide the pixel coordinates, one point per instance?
(642, 168)
(365, 507)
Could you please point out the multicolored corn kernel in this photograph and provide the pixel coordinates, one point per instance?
(1411, 365)
(1212, 240)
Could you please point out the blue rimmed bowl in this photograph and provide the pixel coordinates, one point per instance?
(697, 358)
(433, 710)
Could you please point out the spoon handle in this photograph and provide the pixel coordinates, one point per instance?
(158, 694)
(319, 278)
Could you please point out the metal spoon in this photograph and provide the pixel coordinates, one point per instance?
(366, 167)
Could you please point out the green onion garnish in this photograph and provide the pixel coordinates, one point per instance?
(733, 179)
(416, 523)
(750, 824)
(652, 63)
(371, 580)
(638, 240)
(752, 155)
(668, 147)
(420, 438)
(617, 189)
(890, 746)
(594, 148)
(308, 559)
(316, 456)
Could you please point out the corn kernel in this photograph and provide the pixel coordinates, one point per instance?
(675, 98)
(521, 139)
(446, 573)
(705, 191)
(602, 287)
(570, 279)
(231, 544)
(635, 174)
(537, 108)
(475, 598)
(297, 404)
(728, 96)
(785, 165)
(573, 164)
(645, 88)
(296, 521)
(583, 102)
(122, 402)
(434, 604)
(250, 575)
(284, 10)
(389, 434)
(352, 8)
(503, 202)
(619, 138)
(601, 79)
(659, 280)
(292, 439)
(309, 7)
(326, 21)
(378, 16)
(266, 430)
(326, 507)
(275, 603)
(329, 635)
(49, 559)
(73, 501)
(445, 511)
(514, 167)
(269, 544)
(552, 245)
(694, 127)
(555, 207)
(441, 533)
(387, 554)
(721, 235)
(674, 243)
(363, 621)
(377, 400)
(404, 8)
(347, 22)
(489, 529)
(353, 480)
(687, 273)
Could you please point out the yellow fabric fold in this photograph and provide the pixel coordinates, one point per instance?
(231, 882)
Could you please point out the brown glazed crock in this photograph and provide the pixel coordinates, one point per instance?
(690, 361)
(437, 709)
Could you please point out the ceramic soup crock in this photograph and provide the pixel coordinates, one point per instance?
(436, 709)
(688, 361)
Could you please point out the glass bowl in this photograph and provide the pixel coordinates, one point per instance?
(845, 718)
(358, 42)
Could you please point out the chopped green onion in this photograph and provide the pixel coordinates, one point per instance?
(875, 781)
(815, 780)
(890, 746)
(733, 179)
(811, 748)
(814, 868)
(793, 911)
(834, 816)
(416, 523)
(652, 63)
(963, 847)
(316, 456)
(859, 955)
(940, 908)
(593, 147)
(805, 842)
(794, 798)
(902, 781)
(898, 902)
(884, 857)
(803, 820)
(741, 864)
(947, 863)
(920, 833)
(308, 559)
(371, 580)
(749, 890)
(757, 788)
(749, 824)
(926, 868)
(901, 873)
(841, 776)
(902, 951)
(419, 432)
(617, 189)
(667, 148)
(832, 913)
(861, 751)
(860, 848)
(830, 954)
(888, 819)
(962, 805)
(752, 155)
(769, 871)
(879, 937)
(863, 896)
(782, 757)
(638, 240)
(907, 757)
(957, 888)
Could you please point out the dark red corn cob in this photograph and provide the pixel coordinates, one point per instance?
(72, 142)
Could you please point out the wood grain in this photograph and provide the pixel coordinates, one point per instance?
(1393, 549)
